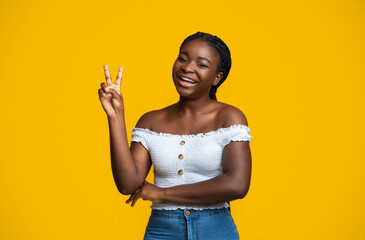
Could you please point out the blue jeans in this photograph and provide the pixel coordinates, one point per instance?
(190, 224)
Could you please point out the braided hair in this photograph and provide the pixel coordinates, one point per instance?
(224, 53)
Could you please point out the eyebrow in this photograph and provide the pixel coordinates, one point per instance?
(202, 58)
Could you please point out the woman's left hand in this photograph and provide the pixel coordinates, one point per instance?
(147, 191)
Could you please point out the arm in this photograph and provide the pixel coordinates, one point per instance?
(232, 184)
(130, 166)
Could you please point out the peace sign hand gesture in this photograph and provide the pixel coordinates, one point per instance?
(110, 96)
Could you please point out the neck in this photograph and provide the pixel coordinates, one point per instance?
(193, 106)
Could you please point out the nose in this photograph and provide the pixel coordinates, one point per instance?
(188, 67)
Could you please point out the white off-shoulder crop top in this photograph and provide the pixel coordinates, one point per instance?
(185, 159)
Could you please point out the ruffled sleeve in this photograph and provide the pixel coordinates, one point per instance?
(237, 133)
(140, 135)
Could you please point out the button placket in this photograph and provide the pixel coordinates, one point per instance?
(181, 157)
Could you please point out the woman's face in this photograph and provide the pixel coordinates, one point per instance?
(195, 70)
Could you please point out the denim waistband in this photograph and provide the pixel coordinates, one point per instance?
(183, 213)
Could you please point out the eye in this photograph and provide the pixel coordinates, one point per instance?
(181, 59)
(202, 65)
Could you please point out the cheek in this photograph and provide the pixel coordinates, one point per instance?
(174, 66)
(209, 76)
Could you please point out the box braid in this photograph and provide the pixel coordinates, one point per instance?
(224, 53)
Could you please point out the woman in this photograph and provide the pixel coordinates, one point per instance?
(199, 148)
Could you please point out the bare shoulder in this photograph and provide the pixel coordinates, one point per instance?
(230, 115)
(146, 119)
(154, 116)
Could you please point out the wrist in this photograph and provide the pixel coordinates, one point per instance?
(116, 117)
(163, 195)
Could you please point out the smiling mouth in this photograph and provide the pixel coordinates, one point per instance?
(185, 79)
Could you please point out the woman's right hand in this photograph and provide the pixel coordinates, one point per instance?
(110, 97)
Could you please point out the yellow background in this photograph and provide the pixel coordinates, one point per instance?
(298, 75)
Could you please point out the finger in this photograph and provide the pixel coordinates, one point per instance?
(101, 92)
(133, 195)
(130, 198)
(105, 87)
(119, 76)
(113, 93)
(107, 75)
(104, 96)
(135, 200)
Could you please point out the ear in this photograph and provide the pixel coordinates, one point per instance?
(218, 77)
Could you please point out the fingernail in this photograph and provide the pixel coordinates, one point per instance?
(107, 89)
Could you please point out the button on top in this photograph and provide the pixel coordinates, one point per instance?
(180, 172)
(181, 156)
(182, 142)
(187, 212)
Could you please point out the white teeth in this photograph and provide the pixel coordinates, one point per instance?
(187, 79)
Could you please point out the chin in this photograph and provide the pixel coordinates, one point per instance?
(182, 93)
(186, 95)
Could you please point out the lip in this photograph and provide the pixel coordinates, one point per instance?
(186, 77)
(185, 84)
